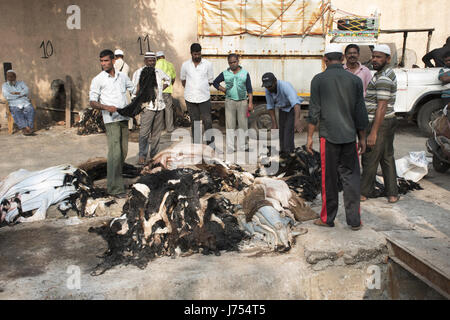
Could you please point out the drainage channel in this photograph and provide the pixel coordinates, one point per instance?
(427, 258)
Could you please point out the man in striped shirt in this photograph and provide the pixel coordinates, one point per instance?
(380, 100)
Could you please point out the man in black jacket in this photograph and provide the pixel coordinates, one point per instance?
(437, 55)
(337, 102)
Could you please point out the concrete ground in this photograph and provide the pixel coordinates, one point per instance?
(42, 260)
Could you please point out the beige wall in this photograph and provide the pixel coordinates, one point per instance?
(170, 25)
(24, 24)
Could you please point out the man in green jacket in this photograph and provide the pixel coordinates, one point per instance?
(238, 88)
(168, 68)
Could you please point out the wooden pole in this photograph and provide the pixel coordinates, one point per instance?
(68, 88)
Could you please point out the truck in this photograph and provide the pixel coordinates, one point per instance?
(288, 38)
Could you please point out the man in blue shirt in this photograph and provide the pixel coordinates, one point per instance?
(282, 95)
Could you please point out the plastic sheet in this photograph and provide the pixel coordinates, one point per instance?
(265, 18)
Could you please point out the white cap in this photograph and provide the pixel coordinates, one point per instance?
(149, 54)
(382, 48)
(11, 70)
(333, 47)
(159, 54)
(118, 52)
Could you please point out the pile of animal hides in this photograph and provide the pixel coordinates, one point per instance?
(180, 206)
(302, 172)
(91, 121)
(26, 195)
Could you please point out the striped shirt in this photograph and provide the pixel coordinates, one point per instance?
(383, 86)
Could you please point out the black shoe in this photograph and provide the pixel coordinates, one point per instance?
(357, 228)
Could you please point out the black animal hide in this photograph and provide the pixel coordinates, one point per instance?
(147, 92)
(193, 226)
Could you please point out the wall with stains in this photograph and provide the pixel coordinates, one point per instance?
(24, 25)
(170, 26)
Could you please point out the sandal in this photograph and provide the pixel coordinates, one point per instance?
(362, 198)
(320, 223)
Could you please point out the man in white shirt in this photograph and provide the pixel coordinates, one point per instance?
(120, 65)
(152, 118)
(196, 77)
(16, 93)
(108, 93)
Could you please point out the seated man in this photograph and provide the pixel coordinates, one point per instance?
(16, 92)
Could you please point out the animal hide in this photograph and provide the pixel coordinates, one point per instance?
(91, 121)
(96, 169)
(147, 93)
(172, 211)
(302, 173)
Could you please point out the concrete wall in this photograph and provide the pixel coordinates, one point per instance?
(24, 24)
(170, 26)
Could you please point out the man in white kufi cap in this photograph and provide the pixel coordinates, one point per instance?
(120, 65)
(380, 100)
(337, 107)
(152, 118)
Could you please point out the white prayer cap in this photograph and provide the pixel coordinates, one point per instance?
(382, 48)
(159, 54)
(333, 47)
(149, 54)
(118, 52)
(11, 70)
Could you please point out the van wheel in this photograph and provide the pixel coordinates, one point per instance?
(427, 113)
(439, 165)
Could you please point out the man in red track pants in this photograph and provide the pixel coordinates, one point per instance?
(337, 103)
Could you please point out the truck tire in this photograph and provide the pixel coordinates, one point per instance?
(439, 165)
(428, 112)
(259, 119)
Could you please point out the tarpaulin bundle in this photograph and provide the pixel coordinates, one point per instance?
(147, 93)
(91, 121)
(24, 191)
(169, 213)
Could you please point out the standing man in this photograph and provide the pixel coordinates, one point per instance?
(108, 93)
(120, 65)
(196, 76)
(337, 103)
(16, 93)
(168, 68)
(353, 65)
(437, 55)
(380, 100)
(444, 76)
(152, 118)
(238, 89)
(282, 95)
